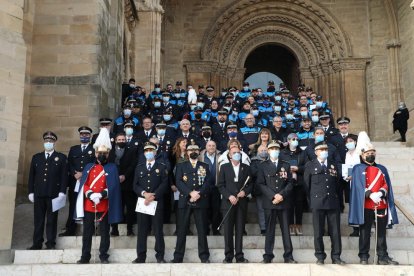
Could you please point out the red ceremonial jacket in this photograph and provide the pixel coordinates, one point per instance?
(98, 187)
(374, 175)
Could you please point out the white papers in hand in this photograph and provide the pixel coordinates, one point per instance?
(146, 209)
(177, 195)
(77, 186)
(58, 203)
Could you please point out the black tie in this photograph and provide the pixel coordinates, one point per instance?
(149, 166)
(275, 164)
(323, 167)
(83, 148)
(128, 140)
(222, 126)
(47, 156)
(185, 136)
(147, 133)
(160, 139)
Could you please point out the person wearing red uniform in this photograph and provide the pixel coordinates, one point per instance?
(371, 196)
(99, 199)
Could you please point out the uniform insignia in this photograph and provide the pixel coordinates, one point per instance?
(90, 152)
(332, 167)
(168, 142)
(136, 143)
(185, 178)
(157, 170)
(56, 159)
(112, 139)
(282, 169)
(316, 169)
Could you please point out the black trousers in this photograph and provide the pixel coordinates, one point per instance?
(272, 215)
(89, 231)
(145, 222)
(333, 217)
(214, 213)
(402, 134)
(235, 222)
(129, 202)
(70, 222)
(298, 207)
(365, 235)
(200, 218)
(43, 213)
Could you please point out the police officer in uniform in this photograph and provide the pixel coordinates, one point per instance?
(321, 185)
(78, 157)
(274, 181)
(151, 183)
(48, 178)
(193, 181)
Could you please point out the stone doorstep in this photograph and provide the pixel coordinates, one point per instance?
(70, 256)
(249, 242)
(204, 269)
(406, 204)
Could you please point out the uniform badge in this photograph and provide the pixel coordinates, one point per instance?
(283, 173)
(112, 139)
(136, 143)
(89, 152)
(56, 159)
(168, 142)
(185, 178)
(157, 171)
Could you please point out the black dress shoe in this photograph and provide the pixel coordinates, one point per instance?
(161, 261)
(82, 261)
(266, 261)
(114, 233)
(205, 261)
(290, 261)
(50, 247)
(34, 247)
(263, 232)
(338, 262)
(363, 262)
(104, 261)
(67, 234)
(216, 233)
(355, 233)
(138, 261)
(242, 260)
(227, 261)
(387, 261)
(130, 233)
(175, 261)
(320, 262)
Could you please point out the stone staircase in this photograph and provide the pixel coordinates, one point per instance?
(395, 156)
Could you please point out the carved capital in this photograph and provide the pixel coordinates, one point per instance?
(149, 6)
(201, 66)
(394, 43)
(131, 14)
(354, 63)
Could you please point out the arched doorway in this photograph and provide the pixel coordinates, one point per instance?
(274, 59)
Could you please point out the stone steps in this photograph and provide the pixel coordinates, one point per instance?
(204, 269)
(249, 242)
(70, 256)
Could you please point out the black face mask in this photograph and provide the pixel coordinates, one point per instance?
(370, 159)
(197, 115)
(102, 158)
(206, 134)
(193, 155)
(121, 145)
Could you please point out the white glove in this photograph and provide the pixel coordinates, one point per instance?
(96, 200)
(376, 197)
(61, 194)
(95, 195)
(31, 197)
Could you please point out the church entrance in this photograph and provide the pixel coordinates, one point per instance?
(272, 62)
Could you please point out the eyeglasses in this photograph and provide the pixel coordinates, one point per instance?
(277, 121)
(294, 139)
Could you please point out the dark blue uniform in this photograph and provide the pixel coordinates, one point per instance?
(154, 181)
(47, 178)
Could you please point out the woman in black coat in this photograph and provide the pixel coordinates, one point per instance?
(401, 117)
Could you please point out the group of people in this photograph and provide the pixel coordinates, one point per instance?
(199, 155)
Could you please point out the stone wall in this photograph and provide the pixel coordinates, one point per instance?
(12, 76)
(75, 71)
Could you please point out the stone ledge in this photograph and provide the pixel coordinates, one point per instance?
(66, 80)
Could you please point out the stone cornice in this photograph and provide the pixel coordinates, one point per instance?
(149, 6)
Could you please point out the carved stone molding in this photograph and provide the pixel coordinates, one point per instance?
(201, 66)
(131, 14)
(149, 6)
(394, 43)
(354, 63)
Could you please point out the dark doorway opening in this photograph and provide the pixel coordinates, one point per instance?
(277, 60)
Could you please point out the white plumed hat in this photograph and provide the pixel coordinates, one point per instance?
(103, 141)
(364, 143)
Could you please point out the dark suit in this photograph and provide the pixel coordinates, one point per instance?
(126, 167)
(187, 180)
(77, 159)
(47, 178)
(142, 137)
(219, 133)
(273, 180)
(153, 181)
(237, 216)
(322, 189)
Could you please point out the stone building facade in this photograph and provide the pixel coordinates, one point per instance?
(62, 62)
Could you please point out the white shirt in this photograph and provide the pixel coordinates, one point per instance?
(50, 153)
(192, 96)
(150, 163)
(223, 159)
(186, 134)
(236, 169)
(275, 162)
(211, 157)
(324, 162)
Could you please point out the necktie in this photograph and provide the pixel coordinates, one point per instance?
(275, 164)
(149, 166)
(325, 128)
(147, 133)
(160, 139)
(185, 136)
(323, 167)
(47, 156)
(128, 140)
(83, 148)
(222, 126)
(193, 164)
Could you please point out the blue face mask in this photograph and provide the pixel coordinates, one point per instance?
(278, 108)
(149, 155)
(167, 117)
(161, 132)
(294, 143)
(274, 154)
(350, 146)
(157, 104)
(255, 113)
(304, 114)
(278, 98)
(48, 146)
(129, 131)
(315, 119)
(323, 155)
(85, 140)
(236, 156)
(319, 138)
(289, 116)
(319, 104)
(177, 95)
(158, 90)
(233, 134)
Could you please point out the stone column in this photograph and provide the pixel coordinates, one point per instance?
(354, 93)
(12, 79)
(147, 35)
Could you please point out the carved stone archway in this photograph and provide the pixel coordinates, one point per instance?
(309, 31)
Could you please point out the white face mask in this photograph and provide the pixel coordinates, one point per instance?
(48, 146)
(127, 112)
(132, 85)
